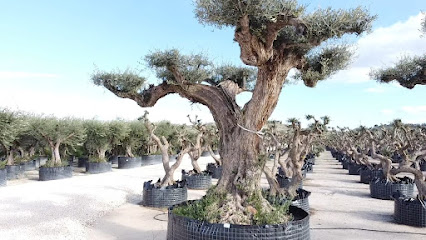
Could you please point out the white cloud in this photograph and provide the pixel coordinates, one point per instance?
(383, 47)
(414, 109)
(14, 75)
(378, 89)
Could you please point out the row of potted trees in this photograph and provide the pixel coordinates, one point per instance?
(397, 148)
(28, 142)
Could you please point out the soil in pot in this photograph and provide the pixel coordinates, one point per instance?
(128, 162)
(183, 228)
(54, 173)
(14, 172)
(98, 167)
(382, 189)
(410, 211)
(154, 196)
(3, 177)
(214, 170)
(199, 181)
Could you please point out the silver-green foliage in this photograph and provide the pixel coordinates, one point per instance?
(12, 124)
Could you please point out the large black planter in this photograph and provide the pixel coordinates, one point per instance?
(3, 177)
(151, 159)
(423, 166)
(113, 159)
(98, 167)
(29, 165)
(354, 169)
(366, 175)
(159, 198)
(384, 190)
(82, 161)
(302, 199)
(409, 212)
(197, 181)
(345, 164)
(14, 172)
(127, 162)
(54, 173)
(183, 228)
(215, 170)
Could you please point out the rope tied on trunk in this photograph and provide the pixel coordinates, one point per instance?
(258, 133)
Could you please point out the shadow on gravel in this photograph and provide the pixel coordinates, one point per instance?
(353, 193)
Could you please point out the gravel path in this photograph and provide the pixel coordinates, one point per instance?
(64, 209)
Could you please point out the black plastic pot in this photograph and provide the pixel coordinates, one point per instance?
(98, 167)
(366, 175)
(82, 161)
(183, 228)
(113, 159)
(54, 173)
(384, 190)
(14, 172)
(423, 166)
(151, 159)
(354, 169)
(302, 199)
(29, 165)
(216, 152)
(3, 177)
(409, 212)
(159, 198)
(285, 181)
(127, 162)
(215, 170)
(345, 164)
(197, 181)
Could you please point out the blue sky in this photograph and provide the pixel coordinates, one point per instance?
(49, 49)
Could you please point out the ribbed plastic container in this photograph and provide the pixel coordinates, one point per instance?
(3, 177)
(159, 198)
(54, 173)
(302, 200)
(197, 181)
(384, 190)
(409, 212)
(354, 169)
(98, 167)
(366, 175)
(285, 181)
(82, 161)
(216, 171)
(29, 165)
(183, 228)
(14, 172)
(127, 162)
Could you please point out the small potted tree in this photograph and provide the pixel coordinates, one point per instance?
(166, 192)
(12, 125)
(211, 142)
(130, 143)
(98, 142)
(196, 178)
(56, 132)
(152, 152)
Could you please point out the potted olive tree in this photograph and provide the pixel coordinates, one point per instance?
(130, 143)
(56, 132)
(166, 191)
(274, 37)
(196, 178)
(98, 142)
(211, 142)
(12, 125)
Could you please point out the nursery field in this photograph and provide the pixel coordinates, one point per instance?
(341, 208)
(105, 206)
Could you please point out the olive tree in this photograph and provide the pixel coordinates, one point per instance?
(164, 146)
(133, 140)
(56, 132)
(97, 139)
(274, 37)
(408, 72)
(12, 125)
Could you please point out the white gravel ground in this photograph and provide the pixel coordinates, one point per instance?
(64, 209)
